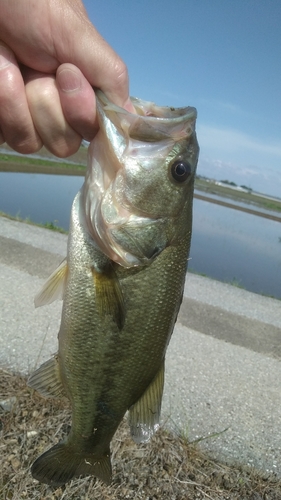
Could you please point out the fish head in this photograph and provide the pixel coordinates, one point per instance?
(139, 185)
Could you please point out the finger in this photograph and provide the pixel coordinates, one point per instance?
(107, 72)
(16, 123)
(2, 140)
(44, 104)
(99, 63)
(77, 100)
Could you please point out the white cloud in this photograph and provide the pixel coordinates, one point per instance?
(264, 180)
(235, 142)
(241, 158)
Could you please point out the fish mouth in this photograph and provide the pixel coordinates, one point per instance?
(150, 123)
(147, 109)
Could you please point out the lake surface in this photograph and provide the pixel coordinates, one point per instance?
(227, 244)
(237, 202)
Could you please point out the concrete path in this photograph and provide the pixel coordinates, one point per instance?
(223, 368)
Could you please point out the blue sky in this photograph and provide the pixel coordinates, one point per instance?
(221, 56)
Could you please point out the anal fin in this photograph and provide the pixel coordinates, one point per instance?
(144, 415)
(46, 379)
(54, 287)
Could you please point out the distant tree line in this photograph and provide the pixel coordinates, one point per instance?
(225, 181)
(246, 187)
(231, 183)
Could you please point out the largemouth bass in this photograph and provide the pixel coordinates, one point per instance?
(121, 284)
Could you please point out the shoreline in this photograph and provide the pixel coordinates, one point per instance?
(52, 227)
(237, 207)
(50, 167)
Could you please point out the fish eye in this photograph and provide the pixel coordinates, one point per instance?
(180, 171)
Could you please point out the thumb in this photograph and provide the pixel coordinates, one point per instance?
(82, 45)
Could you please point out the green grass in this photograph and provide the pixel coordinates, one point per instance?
(22, 163)
(53, 227)
(27, 160)
(224, 191)
(236, 282)
(47, 225)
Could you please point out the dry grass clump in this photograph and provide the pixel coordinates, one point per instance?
(166, 468)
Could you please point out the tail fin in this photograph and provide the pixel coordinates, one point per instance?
(62, 462)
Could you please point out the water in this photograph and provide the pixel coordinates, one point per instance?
(228, 245)
(242, 204)
(237, 247)
(39, 197)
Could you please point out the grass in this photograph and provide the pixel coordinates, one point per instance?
(22, 163)
(76, 165)
(53, 227)
(167, 468)
(236, 282)
(47, 225)
(28, 161)
(250, 198)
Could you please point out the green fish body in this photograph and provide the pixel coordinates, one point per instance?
(122, 284)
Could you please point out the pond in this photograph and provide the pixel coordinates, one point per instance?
(236, 247)
(227, 245)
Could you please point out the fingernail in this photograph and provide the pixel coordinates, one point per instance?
(6, 57)
(69, 80)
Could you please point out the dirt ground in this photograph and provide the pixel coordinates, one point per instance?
(166, 468)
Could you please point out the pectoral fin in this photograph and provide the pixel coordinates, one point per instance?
(144, 415)
(47, 380)
(109, 296)
(54, 287)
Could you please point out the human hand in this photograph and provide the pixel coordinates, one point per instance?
(50, 58)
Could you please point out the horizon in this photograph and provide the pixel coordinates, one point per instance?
(7, 150)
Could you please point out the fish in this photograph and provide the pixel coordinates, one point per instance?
(121, 284)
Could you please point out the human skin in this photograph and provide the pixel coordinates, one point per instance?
(51, 57)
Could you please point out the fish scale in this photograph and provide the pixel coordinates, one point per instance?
(121, 284)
